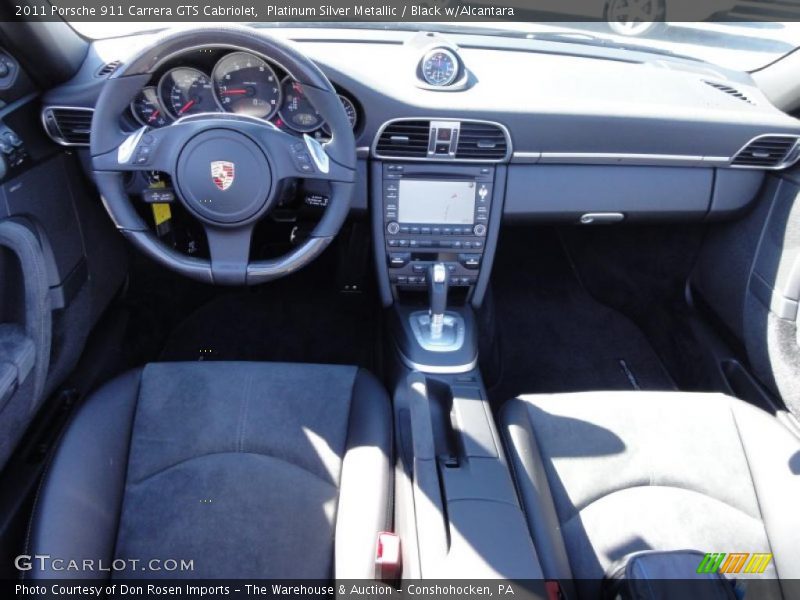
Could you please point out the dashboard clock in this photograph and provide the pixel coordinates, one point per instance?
(440, 67)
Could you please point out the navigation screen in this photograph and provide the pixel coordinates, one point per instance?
(441, 202)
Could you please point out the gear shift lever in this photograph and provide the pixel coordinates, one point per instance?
(436, 330)
(438, 280)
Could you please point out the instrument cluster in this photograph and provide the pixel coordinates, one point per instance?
(236, 82)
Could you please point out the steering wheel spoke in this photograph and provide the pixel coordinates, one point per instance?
(230, 253)
(304, 158)
(145, 150)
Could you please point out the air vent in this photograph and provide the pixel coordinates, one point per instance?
(108, 68)
(404, 139)
(731, 91)
(481, 141)
(67, 125)
(768, 152)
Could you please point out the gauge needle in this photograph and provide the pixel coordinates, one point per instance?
(154, 116)
(186, 107)
(235, 92)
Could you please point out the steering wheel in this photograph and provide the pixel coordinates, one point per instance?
(226, 168)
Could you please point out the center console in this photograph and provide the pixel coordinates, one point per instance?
(435, 214)
(435, 220)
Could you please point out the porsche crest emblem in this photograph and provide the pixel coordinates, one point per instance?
(222, 174)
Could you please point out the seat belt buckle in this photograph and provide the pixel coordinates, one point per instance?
(388, 561)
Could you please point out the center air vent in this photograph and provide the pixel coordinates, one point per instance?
(481, 141)
(768, 152)
(443, 139)
(67, 125)
(404, 139)
(731, 91)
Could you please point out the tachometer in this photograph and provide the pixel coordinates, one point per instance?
(186, 91)
(440, 67)
(148, 110)
(349, 109)
(246, 84)
(297, 111)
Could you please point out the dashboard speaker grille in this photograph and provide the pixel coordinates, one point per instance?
(404, 139)
(731, 91)
(479, 141)
(69, 126)
(768, 151)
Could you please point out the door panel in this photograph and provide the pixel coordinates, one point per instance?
(25, 331)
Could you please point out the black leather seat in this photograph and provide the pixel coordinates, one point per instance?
(249, 470)
(602, 475)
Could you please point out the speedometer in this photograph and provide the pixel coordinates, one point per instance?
(246, 84)
(440, 67)
(297, 111)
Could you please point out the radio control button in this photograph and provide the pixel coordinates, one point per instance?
(393, 228)
(480, 229)
(425, 230)
(470, 261)
(398, 260)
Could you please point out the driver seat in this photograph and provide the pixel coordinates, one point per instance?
(250, 470)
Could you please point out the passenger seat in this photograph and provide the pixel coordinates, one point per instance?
(602, 475)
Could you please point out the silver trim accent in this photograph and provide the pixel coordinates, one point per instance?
(126, 148)
(438, 369)
(601, 218)
(622, 158)
(60, 140)
(503, 128)
(318, 154)
(686, 160)
(362, 152)
(792, 155)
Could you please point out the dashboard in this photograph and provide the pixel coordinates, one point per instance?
(233, 81)
(576, 129)
(456, 134)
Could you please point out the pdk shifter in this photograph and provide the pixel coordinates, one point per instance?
(437, 330)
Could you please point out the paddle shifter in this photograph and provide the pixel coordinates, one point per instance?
(438, 280)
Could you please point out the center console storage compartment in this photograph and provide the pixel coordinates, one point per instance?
(457, 505)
